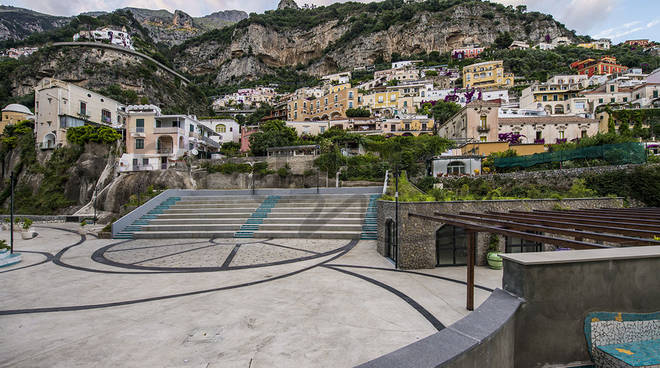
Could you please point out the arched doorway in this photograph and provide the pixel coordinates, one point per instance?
(49, 141)
(559, 110)
(450, 246)
(390, 239)
(164, 145)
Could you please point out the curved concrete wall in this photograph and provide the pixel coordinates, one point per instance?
(482, 339)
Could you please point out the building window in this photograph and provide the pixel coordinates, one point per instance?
(655, 93)
(192, 128)
(600, 100)
(483, 138)
(106, 116)
(350, 95)
(545, 98)
(139, 125)
(423, 126)
(336, 98)
(220, 128)
(612, 99)
(83, 108)
(350, 104)
(483, 122)
(145, 161)
(139, 143)
(612, 88)
(539, 136)
(625, 99)
(322, 130)
(561, 134)
(517, 245)
(584, 134)
(456, 168)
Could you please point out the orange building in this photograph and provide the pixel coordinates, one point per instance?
(643, 43)
(606, 65)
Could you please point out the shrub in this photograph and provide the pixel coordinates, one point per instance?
(358, 113)
(90, 133)
(27, 223)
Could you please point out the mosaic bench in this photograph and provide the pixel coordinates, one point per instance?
(617, 340)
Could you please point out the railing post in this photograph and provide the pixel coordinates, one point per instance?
(470, 269)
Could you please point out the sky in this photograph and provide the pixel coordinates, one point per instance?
(618, 20)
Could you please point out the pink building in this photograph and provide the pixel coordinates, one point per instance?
(467, 53)
(246, 132)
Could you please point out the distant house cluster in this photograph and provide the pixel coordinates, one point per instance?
(18, 52)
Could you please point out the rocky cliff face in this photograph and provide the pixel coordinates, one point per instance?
(256, 47)
(287, 4)
(97, 69)
(18, 23)
(173, 29)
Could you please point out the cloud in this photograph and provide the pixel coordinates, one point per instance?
(626, 29)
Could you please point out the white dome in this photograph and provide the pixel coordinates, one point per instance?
(17, 108)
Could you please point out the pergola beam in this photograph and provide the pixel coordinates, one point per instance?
(593, 221)
(565, 224)
(575, 244)
(620, 239)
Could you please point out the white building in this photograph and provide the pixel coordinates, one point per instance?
(112, 36)
(338, 78)
(62, 105)
(227, 130)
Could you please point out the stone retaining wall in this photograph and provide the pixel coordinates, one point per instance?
(35, 218)
(417, 236)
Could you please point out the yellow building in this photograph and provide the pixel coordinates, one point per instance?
(331, 106)
(487, 75)
(14, 113)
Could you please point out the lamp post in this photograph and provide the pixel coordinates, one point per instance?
(252, 175)
(11, 215)
(396, 215)
(96, 191)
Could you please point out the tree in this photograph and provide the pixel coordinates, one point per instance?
(503, 40)
(521, 8)
(273, 133)
(358, 113)
(442, 111)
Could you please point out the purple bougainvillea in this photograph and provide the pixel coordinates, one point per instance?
(512, 138)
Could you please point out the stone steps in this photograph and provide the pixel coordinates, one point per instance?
(299, 216)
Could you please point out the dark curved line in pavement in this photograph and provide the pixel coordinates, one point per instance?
(155, 246)
(413, 273)
(421, 310)
(99, 256)
(174, 254)
(287, 247)
(345, 249)
(49, 257)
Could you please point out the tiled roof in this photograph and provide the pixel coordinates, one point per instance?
(547, 120)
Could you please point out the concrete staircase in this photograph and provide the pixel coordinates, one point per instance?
(8, 259)
(330, 216)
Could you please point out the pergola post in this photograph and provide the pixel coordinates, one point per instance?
(470, 269)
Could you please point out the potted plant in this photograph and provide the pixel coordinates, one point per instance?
(493, 254)
(27, 232)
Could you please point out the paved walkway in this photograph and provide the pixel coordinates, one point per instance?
(80, 301)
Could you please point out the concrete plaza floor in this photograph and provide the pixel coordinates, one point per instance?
(77, 301)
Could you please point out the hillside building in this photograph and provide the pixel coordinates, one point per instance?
(487, 75)
(332, 105)
(155, 141)
(62, 105)
(601, 44)
(13, 113)
(227, 130)
(467, 52)
(111, 36)
(604, 65)
(554, 95)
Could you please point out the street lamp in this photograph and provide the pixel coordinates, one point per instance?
(11, 215)
(251, 163)
(396, 215)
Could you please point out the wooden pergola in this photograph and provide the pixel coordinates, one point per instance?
(603, 228)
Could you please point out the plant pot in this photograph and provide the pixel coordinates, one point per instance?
(28, 234)
(494, 260)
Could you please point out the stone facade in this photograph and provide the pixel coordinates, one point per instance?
(417, 236)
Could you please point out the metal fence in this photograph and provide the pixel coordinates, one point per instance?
(614, 154)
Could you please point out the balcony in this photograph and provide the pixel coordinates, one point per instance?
(539, 141)
(168, 130)
(483, 129)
